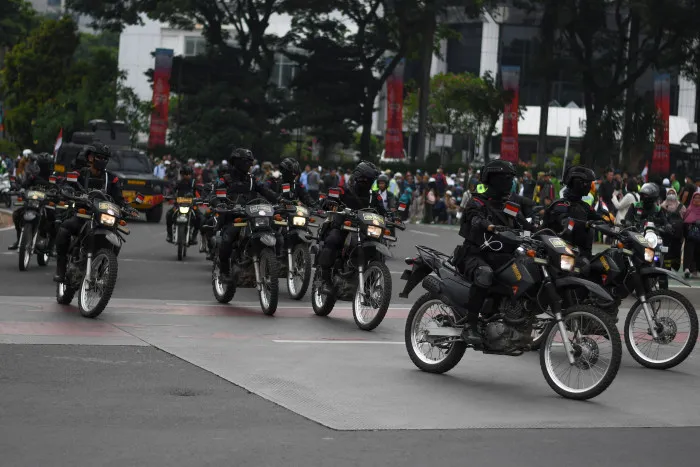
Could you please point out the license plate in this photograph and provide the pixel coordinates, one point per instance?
(136, 182)
(664, 249)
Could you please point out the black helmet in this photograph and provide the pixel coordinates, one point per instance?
(650, 191)
(498, 177)
(45, 162)
(241, 159)
(497, 167)
(290, 169)
(578, 171)
(383, 178)
(101, 154)
(186, 170)
(363, 177)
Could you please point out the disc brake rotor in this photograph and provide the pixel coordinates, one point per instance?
(586, 353)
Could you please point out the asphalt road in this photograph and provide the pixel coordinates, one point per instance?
(150, 383)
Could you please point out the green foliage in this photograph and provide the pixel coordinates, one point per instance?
(17, 18)
(8, 147)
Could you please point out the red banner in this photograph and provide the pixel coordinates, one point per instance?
(510, 76)
(393, 138)
(660, 162)
(161, 97)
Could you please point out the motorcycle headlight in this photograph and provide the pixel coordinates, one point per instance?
(299, 221)
(567, 263)
(106, 219)
(374, 231)
(649, 255)
(184, 209)
(33, 204)
(652, 239)
(262, 222)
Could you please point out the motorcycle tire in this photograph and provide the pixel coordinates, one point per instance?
(64, 294)
(454, 353)
(110, 282)
(42, 259)
(181, 241)
(300, 251)
(685, 351)
(270, 273)
(223, 293)
(321, 304)
(25, 246)
(384, 302)
(613, 336)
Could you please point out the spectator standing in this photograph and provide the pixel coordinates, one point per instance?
(330, 180)
(687, 192)
(626, 202)
(675, 184)
(159, 170)
(691, 228)
(313, 182)
(606, 191)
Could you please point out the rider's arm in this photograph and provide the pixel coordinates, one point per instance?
(304, 196)
(268, 194)
(115, 189)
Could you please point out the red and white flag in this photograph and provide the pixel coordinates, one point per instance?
(59, 142)
(511, 209)
(72, 177)
(645, 172)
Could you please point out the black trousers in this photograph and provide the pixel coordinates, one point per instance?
(229, 236)
(332, 244)
(68, 228)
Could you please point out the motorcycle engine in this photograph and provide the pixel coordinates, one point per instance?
(514, 332)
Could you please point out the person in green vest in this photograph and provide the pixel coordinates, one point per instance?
(481, 188)
(675, 184)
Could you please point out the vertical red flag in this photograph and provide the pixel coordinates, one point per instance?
(161, 97)
(510, 76)
(393, 137)
(660, 161)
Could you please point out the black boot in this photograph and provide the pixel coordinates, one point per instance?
(15, 245)
(326, 282)
(471, 336)
(169, 235)
(61, 263)
(193, 239)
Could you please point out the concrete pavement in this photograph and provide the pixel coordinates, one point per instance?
(323, 369)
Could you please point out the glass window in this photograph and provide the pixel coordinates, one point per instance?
(194, 45)
(464, 52)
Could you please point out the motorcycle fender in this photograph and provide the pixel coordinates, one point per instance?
(595, 289)
(266, 238)
(654, 271)
(413, 277)
(111, 237)
(302, 235)
(29, 216)
(380, 248)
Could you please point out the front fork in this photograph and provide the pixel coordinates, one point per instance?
(258, 275)
(641, 293)
(290, 265)
(555, 303)
(361, 267)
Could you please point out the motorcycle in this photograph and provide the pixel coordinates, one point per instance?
(256, 246)
(293, 249)
(92, 254)
(183, 228)
(359, 274)
(531, 283)
(35, 233)
(6, 182)
(654, 321)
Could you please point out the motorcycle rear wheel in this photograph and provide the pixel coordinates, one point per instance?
(64, 294)
(453, 351)
(301, 261)
(105, 268)
(269, 273)
(25, 246)
(181, 241)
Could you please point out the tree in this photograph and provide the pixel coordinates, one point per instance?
(358, 38)
(597, 35)
(17, 18)
(36, 70)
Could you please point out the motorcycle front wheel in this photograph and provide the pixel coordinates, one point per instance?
(321, 303)
(676, 324)
(269, 275)
(597, 353)
(25, 246)
(95, 293)
(369, 309)
(223, 293)
(298, 283)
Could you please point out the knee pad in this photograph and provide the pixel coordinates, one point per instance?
(483, 276)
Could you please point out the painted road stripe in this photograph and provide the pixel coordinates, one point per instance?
(284, 341)
(425, 233)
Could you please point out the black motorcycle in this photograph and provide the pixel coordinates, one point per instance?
(584, 341)
(92, 254)
(36, 228)
(255, 247)
(359, 274)
(183, 228)
(294, 238)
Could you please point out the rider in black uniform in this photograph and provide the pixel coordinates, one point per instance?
(185, 187)
(241, 188)
(36, 178)
(95, 177)
(291, 188)
(358, 195)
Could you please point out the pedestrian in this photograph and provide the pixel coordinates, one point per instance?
(330, 180)
(691, 229)
(606, 191)
(450, 207)
(674, 215)
(313, 181)
(675, 184)
(303, 178)
(430, 198)
(159, 169)
(625, 202)
(687, 192)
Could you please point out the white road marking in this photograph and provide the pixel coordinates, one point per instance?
(281, 341)
(425, 233)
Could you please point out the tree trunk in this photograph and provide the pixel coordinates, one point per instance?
(547, 31)
(366, 137)
(633, 54)
(424, 93)
(591, 143)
